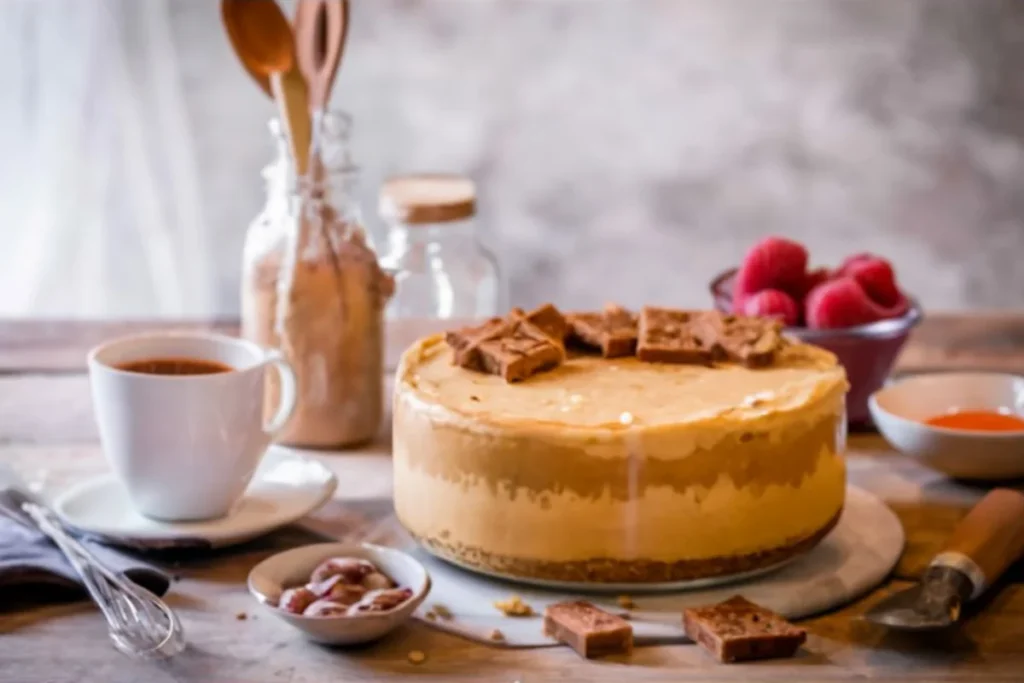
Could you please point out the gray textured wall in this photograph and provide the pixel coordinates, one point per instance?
(629, 149)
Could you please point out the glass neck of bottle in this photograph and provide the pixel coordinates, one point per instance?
(332, 177)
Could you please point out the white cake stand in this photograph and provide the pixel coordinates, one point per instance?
(854, 558)
(616, 588)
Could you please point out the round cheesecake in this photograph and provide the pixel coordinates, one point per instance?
(618, 470)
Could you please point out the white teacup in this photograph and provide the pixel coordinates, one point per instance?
(186, 446)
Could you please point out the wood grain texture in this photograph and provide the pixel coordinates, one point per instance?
(261, 649)
(979, 341)
(49, 346)
(211, 593)
(46, 433)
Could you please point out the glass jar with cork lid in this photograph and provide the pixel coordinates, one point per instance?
(312, 287)
(445, 277)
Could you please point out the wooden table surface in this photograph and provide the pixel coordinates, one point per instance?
(47, 433)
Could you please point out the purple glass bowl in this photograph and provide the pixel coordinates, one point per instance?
(868, 352)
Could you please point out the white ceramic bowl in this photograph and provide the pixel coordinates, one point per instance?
(272, 576)
(899, 411)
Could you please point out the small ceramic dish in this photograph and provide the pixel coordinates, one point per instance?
(272, 576)
(900, 409)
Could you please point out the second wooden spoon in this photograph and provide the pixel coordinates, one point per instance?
(321, 27)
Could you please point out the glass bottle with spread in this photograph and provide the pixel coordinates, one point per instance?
(312, 287)
(445, 276)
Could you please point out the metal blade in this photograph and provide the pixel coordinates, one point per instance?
(933, 604)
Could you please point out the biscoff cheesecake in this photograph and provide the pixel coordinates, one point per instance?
(613, 469)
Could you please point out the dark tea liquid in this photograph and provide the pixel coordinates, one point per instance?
(174, 366)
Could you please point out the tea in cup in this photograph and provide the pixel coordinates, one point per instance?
(181, 418)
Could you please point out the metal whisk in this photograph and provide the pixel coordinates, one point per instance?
(140, 623)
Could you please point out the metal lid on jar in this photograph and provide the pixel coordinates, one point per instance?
(427, 198)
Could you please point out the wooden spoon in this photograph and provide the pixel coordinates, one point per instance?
(262, 38)
(321, 27)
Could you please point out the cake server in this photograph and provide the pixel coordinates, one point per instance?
(988, 540)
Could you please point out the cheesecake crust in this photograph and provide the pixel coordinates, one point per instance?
(606, 570)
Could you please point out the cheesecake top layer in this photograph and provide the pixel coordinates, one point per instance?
(617, 393)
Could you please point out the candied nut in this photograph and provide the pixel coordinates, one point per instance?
(352, 569)
(322, 589)
(417, 657)
(514, 607)
(345, 594)
(296, 600)
(381, 600)
(325, 608)
(377, 581)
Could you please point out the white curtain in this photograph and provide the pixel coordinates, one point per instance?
(100, 208)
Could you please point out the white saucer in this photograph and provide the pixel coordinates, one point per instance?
(286, 487)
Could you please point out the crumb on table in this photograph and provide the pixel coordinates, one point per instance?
(241, 616)
(497, 636)
(514, 607)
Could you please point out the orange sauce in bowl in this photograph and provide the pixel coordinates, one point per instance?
(978, 421)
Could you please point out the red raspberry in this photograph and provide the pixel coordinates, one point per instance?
(812, 279)
(841, 303)
(876, 277)
(772, 303)
(850, 261)
(772, 263)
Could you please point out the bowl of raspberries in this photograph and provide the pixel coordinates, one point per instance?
(857, 310)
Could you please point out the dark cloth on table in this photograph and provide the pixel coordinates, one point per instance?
(28, 556)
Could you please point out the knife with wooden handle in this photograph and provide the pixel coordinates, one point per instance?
(988, 540)
(985, 543)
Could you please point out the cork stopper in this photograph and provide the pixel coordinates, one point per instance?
(427, 198)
